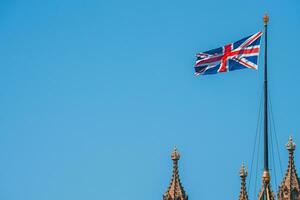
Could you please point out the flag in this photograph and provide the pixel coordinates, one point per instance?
(238, 55)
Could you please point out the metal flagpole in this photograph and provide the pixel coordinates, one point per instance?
(266, 151)
(266, 175)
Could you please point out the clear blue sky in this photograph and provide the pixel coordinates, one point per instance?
(94, 94)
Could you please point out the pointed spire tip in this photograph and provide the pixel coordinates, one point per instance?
(291, 146)
(243, 171)
(175, 154)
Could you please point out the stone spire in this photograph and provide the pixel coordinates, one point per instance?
(266, 192)
(175, 190)
(290, 186)
(243, 191)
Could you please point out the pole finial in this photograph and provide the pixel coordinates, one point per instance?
(266, 19)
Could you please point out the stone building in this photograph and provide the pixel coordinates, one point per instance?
(289, 189)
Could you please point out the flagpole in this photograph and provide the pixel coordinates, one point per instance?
(266, 148)
(266, 192)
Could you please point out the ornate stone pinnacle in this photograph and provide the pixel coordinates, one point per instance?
(266, 192)
(266, 19)
(175, 154)
(289, 188)
(175, 190)
(291, 146)
(243, 191)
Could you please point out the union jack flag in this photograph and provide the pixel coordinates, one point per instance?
(238, 55)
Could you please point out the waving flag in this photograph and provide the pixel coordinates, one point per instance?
(238, 55)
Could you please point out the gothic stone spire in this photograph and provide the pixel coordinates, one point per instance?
(175, 190)
(290, 186)
(266, 192)
(243, 191)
